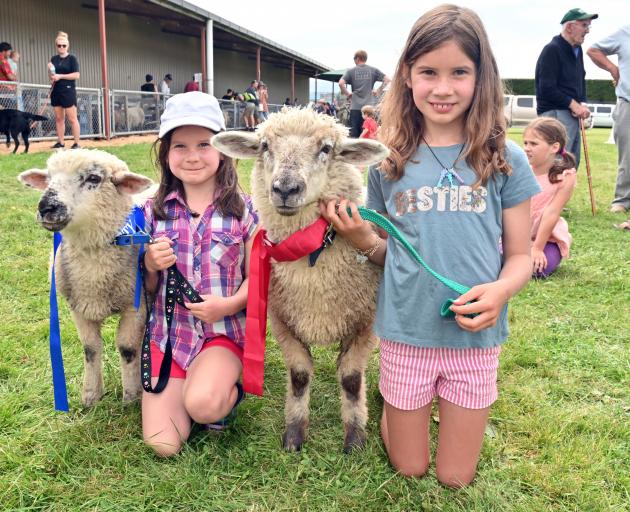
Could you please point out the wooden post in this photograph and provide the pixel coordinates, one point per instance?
(204, 71)
(104, 78)
(292, 81)
(258, 63)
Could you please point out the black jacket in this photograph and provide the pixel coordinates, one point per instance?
(559, 76)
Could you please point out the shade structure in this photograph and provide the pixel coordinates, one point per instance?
(331, 76)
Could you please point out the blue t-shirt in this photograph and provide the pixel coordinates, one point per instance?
(456, 230)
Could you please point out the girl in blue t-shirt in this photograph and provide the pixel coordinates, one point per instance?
(454, 187)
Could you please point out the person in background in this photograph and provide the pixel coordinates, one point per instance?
(320, 106)
(545, 141)
(370, 126)
(251, 106)
(191, 85)
(149, 84)
(14, 59)
(165, 86)
(263, 107)
(332, 110)
(6, 75)
(559, 78)
(362, 79)
(6, 69)
(229, 95)
(618, 44)
(287, 102)
(63, 70)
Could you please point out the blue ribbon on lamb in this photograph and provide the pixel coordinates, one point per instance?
(132, 233)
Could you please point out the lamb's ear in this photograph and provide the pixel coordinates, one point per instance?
(237, 144)
(362, 151)
(34, 178)
(131, 183)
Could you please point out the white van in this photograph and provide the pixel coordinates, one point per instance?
(519, 110)
(601, 114)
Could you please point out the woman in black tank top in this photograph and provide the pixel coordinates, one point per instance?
(63, 70)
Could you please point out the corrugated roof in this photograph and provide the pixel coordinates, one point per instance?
(191, 9)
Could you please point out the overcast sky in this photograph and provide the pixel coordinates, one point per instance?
(330, 31)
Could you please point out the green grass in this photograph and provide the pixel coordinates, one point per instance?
(561, 425)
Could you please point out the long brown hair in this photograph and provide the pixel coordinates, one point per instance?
(228, 199)
(402, 123)
(552, 131)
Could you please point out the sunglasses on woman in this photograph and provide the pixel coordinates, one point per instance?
(62, 45)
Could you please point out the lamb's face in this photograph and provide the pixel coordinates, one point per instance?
(296, 151)
(295, 169)
(69, 194)
(78, 184)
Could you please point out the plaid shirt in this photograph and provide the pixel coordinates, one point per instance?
(212, 258)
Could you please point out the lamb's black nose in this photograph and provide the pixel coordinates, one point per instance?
(46, 208)
(287, 191)
(49, 206)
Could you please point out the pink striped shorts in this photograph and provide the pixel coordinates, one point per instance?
(412, 376)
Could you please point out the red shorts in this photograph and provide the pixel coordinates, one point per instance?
(177, 372)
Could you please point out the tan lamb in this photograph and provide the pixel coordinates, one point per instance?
(87, 197)
(303, 158)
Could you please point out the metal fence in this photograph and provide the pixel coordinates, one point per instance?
(130, 112)
(233, 113)
(35, 98)
(134, 112)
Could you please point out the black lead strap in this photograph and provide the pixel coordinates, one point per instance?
(179, 290)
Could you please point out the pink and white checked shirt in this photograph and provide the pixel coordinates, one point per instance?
(212, 258)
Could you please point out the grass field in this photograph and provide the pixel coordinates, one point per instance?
(558, 439)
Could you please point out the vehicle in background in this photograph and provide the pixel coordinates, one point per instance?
(520, 110)
(601, 114)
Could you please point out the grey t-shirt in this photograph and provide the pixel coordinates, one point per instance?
(456, 230)
(362, 79)
(619, 44)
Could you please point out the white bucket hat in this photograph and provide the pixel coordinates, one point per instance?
(192, 108)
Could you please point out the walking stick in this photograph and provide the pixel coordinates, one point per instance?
(588, 166)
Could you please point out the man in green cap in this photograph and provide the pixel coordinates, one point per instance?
(560, 83)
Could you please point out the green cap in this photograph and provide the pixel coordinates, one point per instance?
(578, 14)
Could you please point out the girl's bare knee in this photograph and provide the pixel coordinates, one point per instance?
(454, 479)
(206, 407)
(164, 447)
(410, 468)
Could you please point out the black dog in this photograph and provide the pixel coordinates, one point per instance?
(14, 122)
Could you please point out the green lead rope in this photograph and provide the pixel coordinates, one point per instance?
(386, 224)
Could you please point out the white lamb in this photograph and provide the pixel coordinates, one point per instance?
(303, 158)
(87, 196)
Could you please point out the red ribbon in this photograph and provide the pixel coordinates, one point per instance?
(299, 244)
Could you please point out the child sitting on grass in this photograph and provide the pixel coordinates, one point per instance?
(545, 142)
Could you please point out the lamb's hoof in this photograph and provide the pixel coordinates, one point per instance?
(131, 395)
(293, 437)
(91, 397)
(355, 439)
